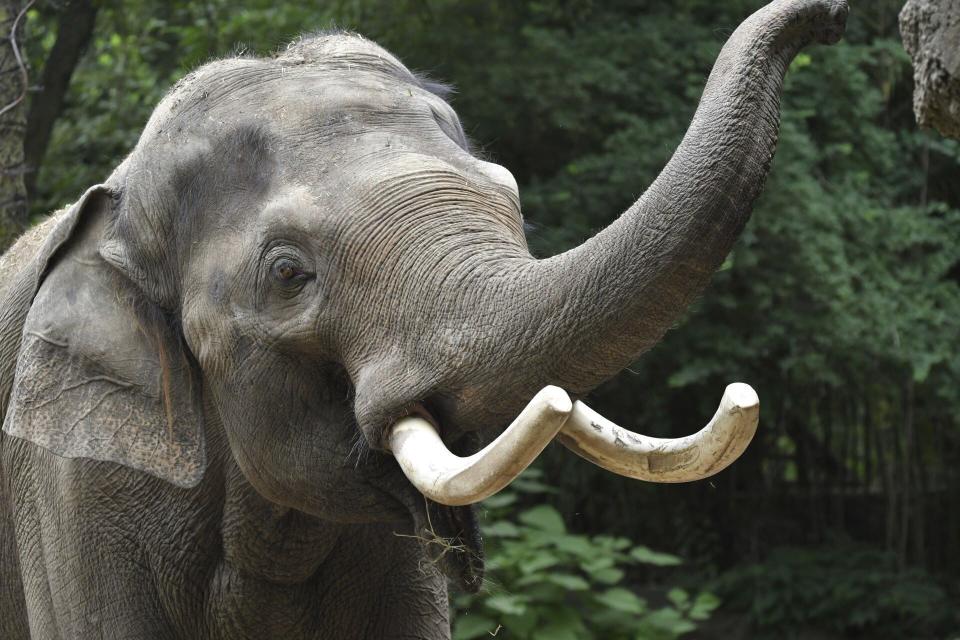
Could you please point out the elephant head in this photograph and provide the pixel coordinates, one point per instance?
(303, 266)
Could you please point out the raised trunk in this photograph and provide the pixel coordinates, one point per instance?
(622, 289)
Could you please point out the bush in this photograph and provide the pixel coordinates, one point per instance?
(547, 583)
(851, 590)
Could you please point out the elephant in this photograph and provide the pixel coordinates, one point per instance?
(253, 382)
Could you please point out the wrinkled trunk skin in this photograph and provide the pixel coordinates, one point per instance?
(931, 35)
(586, 314)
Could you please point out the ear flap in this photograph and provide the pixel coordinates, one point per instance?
(101, 372)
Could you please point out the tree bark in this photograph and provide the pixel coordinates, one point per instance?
(74, 30)
(907, 488)
(13, 91)
(931, 35)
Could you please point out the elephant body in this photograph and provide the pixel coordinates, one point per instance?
(204, 360)
(217, 561)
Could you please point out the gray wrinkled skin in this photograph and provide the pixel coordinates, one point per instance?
(199, 358)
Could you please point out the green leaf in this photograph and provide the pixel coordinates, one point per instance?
(502, 529)
(538, 561)
(545, 518)
(599, 563)
(607, 576)
(522, 625)
(703, 605)
(670, 621)
(567, 581)
(500, 500)
(647, 556)
(469, 626)
(622, 600)
(579, 546)
(507, 604)
(679, 598)
(802, 60)
(535, 538)
(532, 486)
(611, 542)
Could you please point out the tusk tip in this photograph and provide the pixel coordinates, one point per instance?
(553, 399)
(742, 395)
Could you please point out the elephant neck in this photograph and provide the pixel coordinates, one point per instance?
(269, 541)
(260, 538)
(286, 574)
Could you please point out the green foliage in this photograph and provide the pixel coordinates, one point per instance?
(854, 591)
(139, 50)
(545, 582)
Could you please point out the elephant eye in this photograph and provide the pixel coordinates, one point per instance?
(287, 271)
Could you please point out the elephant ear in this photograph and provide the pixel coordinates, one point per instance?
(101, 372)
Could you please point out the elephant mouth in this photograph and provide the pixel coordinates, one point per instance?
(448, 479)
(447, 485)
(450, 535)
(451, 538)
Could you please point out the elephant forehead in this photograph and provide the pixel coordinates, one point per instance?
(340, 99)
(353, 78)
(343, 50)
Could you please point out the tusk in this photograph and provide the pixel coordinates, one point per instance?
(454, 481)
(694, 457)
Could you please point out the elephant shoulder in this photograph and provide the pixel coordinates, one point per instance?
(25, 247)
(19, 257)
(19, 268)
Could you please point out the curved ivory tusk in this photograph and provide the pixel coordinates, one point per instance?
(693, 457)
(451, 480)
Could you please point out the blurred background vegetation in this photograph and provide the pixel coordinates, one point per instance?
(840, 304)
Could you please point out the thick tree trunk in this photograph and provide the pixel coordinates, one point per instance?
(74, 30)
(13, 87)
(931, 35)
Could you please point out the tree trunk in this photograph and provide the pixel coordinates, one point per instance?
(13, 91)
(931, 35)
(908, 503)
(74, 30)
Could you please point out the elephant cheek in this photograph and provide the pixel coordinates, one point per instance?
(300, 449)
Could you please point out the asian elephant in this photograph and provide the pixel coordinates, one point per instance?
(233, 374)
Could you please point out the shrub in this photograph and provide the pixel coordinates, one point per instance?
(855, 591)
(546, 583)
